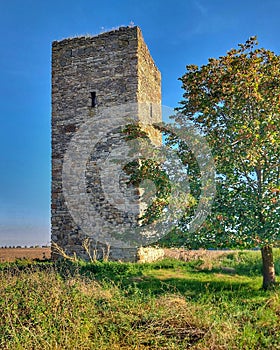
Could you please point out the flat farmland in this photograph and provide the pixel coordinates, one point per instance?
(11, 254)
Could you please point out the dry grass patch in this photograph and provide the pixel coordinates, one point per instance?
(12, 254)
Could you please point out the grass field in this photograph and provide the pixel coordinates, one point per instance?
(214, 302)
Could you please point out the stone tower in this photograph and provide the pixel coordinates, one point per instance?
(93, 79)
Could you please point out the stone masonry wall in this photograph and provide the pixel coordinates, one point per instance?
(117, 69)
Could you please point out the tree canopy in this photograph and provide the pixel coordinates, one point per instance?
(234, 101)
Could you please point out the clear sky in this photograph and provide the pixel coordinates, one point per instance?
(177, 32)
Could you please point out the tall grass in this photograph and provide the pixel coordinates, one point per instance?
(163, 305)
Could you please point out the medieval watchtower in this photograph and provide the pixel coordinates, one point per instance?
(90, 74)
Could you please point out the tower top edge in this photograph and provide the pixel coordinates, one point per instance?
(114, 31)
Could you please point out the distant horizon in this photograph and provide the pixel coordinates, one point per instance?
(25, 246)
(12, 237)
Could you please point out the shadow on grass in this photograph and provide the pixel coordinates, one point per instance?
(153, 279)
(160, 278)
(192, 288)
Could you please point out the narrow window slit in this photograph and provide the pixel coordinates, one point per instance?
(93, 99)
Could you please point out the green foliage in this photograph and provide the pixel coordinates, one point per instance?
(150, 169)
(113, 271)
(158, 167)
(133, 131)
(147, 169)
(234, 101)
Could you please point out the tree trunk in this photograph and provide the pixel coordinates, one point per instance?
(268, 267)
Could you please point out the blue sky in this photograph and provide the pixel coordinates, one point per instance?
(177, 32)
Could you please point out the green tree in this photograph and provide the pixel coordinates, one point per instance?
(235, 102)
